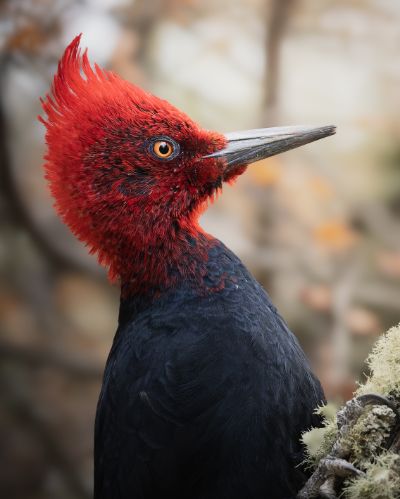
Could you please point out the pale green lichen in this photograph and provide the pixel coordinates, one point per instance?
(364, 442)
(381, 479)
(370, 433)
(319, 441)
(384, 365)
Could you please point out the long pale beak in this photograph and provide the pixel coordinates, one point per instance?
(249, 146)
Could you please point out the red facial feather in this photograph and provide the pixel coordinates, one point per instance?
(136, 211)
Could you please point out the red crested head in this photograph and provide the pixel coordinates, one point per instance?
(122, 164)
(130, 173)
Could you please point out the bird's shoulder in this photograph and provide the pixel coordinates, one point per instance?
(194, 375)
(231, 335)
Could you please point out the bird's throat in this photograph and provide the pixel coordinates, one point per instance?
(163, 263)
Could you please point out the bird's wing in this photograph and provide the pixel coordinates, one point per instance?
(187, 397)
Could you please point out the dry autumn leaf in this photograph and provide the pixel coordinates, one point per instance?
(30, 38)
(266, 172)
(318, 297)
(362, 322)
(389, 263)
(335, 234)
(320, 188)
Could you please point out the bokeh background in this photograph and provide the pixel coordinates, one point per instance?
(319, 226)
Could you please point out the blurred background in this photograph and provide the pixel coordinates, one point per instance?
(319, 226)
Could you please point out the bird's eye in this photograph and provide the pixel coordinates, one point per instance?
(164, 148)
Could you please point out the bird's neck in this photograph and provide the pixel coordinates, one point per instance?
(152, 264)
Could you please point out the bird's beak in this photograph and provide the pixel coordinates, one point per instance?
(249, 146)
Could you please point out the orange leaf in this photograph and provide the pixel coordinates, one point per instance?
(320, 187)
(317, 297)
(389, 263)
(362, 322)
(335, 234)
(266, 172)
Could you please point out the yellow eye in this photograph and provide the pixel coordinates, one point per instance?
(163, 149)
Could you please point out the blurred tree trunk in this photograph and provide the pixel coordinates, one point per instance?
(278, 16)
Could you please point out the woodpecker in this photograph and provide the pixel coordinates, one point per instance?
(206, 391)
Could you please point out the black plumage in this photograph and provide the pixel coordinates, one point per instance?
(205, 394)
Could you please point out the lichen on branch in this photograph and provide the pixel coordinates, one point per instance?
(356, 453)
(384, 366)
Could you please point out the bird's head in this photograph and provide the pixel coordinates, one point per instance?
(130, 171)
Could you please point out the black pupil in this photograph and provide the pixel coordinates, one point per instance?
(163, 148)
